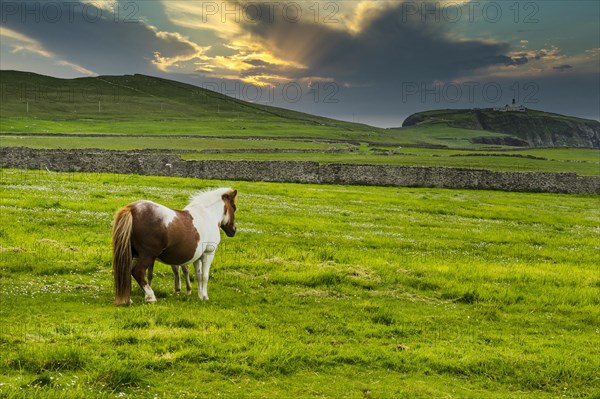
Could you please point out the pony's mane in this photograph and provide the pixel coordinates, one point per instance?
(206, 198)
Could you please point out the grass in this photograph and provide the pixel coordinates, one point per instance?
(464, 116)
(326, 291)
(124, 142)
(441, 135)
(580, 161)
(149, 105)
(207, 126)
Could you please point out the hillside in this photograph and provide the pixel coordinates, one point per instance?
(146, 104)
(525, 129)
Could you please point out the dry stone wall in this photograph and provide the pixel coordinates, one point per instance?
(156, 163)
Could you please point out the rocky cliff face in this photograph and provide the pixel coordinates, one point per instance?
(531, 128)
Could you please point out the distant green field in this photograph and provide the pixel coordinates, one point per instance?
(440, 158)
(124, 142)
(580, 161)
(563, 154)
(442, 136)
(212, 126)
(237, 127)
(326, 291)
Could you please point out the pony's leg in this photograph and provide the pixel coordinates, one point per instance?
(188, 284)
(139, 273)
(176, 277)
(150, 274)
(206, 261)
(134, 263)
(198, 270)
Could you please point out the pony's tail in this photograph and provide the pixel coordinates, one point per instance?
(122, 256)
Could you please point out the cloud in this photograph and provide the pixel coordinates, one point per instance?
(594, 52)
(549, 61)
(101, 42)
(346, 41)
(517, 59)
(563, 67)
(548, 54)
(206, 15)
(386, 48)
(22, 44)
(181, 49)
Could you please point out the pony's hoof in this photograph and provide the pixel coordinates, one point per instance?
(189, 292)
(123, 304)
(150, 300)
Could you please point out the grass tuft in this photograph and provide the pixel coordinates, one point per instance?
(327, 279)
(120, 376)
(469, 297)
(44, 380)
(384, 316)
(49, 359)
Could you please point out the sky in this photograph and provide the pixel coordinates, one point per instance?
(373, 62)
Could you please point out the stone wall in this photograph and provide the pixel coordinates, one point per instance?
(160, 164)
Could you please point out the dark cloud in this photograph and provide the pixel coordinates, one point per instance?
(264, 69)
(389, 48)
(95, 39)
(563, 67)
(519, 59)
(258, 63)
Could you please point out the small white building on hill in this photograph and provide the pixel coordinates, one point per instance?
(511, 108)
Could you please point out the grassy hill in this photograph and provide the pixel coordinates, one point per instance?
(149, 105)
(526, 129)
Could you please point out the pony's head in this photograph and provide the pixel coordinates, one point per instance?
(228, 222)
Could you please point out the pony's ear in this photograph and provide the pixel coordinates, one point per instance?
(230, 195)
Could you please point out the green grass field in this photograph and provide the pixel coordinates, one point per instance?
(580, 161)
(125, 142)
(325, 292)
(576, 160)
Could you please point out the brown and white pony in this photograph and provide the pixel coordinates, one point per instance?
(144, 231)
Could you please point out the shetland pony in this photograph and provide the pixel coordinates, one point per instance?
(144, 231)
